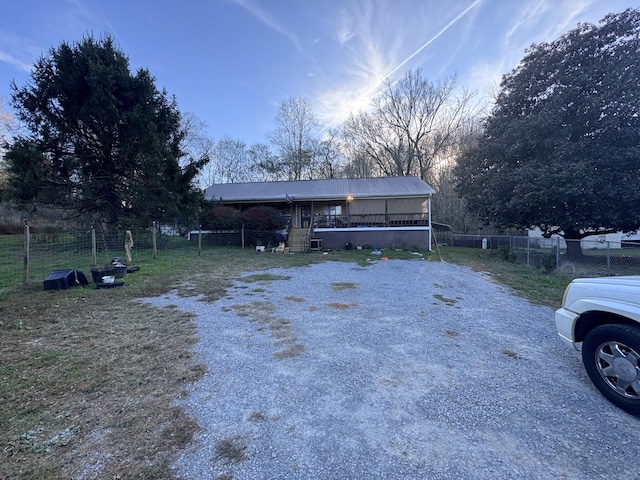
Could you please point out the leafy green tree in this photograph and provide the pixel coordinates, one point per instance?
(101, 141)
(560, 148)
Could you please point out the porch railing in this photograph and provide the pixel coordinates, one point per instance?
(370, 220)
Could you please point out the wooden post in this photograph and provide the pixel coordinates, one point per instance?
(94, 247)
(242, 236)
(154, 240)
(199, 239)
(27, 246)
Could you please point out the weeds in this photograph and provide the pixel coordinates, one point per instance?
(447, 301)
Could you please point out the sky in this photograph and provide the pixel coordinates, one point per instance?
(232, 62)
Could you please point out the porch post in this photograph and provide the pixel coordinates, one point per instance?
(429, 219)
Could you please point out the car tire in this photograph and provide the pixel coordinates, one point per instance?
(611, 356)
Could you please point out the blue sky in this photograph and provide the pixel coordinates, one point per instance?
(231, 62)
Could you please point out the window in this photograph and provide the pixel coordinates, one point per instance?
(332, 210)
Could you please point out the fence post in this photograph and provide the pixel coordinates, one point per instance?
(608, 258)
(242, 234)
(154, 239)
(557, 253)
(528, 250)
(94, 246)
(27, 247)
(199, 239)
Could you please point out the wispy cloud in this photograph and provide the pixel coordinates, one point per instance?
(345, 29)
(268, 20)
(15, 62)
(532, 22)
(380, 56)
(18, 52)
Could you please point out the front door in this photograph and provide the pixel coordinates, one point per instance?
(302, 216)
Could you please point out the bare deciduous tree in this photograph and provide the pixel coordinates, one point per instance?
(293, 139)
(231, 162)
(265, 166)
(6, 122)
(196, 144)
(329, 160)
(410, 124)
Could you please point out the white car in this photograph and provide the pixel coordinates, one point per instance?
(603, 314)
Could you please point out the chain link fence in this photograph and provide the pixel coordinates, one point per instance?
(575, 258)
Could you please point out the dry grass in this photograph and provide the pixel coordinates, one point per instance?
(89, 378)
(83, 375)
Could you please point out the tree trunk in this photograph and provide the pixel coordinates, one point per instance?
(574, 249)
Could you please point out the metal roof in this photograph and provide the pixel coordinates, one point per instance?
(330, 189)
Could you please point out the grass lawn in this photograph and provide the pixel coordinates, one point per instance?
(89, 377)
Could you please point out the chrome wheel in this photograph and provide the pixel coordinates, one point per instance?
(611, 357)
(619, 367)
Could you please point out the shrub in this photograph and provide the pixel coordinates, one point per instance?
(549, 262)
(221, 218)
(507, 254)
(264, 221)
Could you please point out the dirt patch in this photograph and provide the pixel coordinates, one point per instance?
(280, 329)
(231, 450)
(257, 417)
(342, 306)
(294, 299)
(258, 311)
(511, 354)
(339, 286)
(289, 352)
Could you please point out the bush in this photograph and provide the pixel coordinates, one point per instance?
(549, 262)
(507, 254)
(221, 218)
(264, 221)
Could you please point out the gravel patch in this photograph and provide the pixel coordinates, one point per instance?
(396, 370)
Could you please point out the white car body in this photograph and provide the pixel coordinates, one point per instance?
(604, 315)
(589, 302)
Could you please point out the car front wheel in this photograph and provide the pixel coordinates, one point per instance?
(611, 356)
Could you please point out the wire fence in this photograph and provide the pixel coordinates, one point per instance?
(31, 256)
(575, 258)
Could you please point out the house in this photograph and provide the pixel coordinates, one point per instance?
(342, 212)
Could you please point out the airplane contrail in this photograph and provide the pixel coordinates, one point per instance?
(404, 62)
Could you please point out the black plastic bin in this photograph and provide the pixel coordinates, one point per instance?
(348, 246)
(60, 280)
(117, 271)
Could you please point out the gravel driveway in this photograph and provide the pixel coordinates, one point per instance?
(396, 370)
